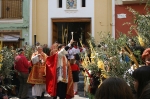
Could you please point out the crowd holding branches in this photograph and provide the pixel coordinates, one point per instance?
(109, 58)
(119, 57)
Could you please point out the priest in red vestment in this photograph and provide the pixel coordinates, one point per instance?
(59, 80)
(38, 72)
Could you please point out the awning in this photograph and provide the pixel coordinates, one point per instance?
(10, 37)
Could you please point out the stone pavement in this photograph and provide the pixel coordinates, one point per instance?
(80, 89)
(79, 96)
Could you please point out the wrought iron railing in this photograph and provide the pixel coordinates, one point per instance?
(11, 9)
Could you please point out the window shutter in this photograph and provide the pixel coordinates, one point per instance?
(12, 9)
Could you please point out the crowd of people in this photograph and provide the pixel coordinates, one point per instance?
(116, 88)
(55, 71)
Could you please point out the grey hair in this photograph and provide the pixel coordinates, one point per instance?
(39, 47)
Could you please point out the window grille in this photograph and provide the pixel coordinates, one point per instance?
(11, 9)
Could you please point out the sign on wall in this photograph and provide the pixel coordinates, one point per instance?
(71, 4)
(120, 16)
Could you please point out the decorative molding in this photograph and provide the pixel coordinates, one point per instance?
(11, 20)
(118, 2)
(71, 10)
(121, 2)
(71, 19)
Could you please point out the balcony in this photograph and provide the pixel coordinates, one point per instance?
(121, 2)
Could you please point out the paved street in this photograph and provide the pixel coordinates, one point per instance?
(79, 96)
(80, 89)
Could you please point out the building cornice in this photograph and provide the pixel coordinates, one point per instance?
(121, 2)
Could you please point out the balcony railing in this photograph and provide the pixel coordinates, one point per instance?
(11, 9)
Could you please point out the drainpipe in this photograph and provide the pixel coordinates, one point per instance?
(113, 18)
(34, 39)
(35, 35)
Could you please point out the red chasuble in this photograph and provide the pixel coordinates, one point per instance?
(70, 91)
(51, 75)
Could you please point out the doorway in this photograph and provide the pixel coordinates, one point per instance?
(62, 30)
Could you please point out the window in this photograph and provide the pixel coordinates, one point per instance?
(83, 3)
(11, 9)
(60, 3)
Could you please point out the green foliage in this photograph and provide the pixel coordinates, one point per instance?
(7, 62)
(7, 59)
(116, 66)
(142, 23)
(109, 51)
(114, 52)
(28, 51)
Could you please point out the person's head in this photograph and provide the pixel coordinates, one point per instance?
(45, 46)
(20, 51)
(37, 44)
(56, 42)
(72, 61)
(146, 56)
(131, 42)
(122, 50)
(74, 43)
(60, 46)
(141, 77)
(39, 49)
(84, 45)
(114, 88)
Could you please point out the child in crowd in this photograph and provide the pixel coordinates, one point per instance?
(114, 88)
(75, 74)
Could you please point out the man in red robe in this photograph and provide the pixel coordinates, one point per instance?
(38, 72)
(54, 48)
(59, 80)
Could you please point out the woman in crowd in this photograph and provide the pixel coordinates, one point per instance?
(114, 88)
(142, 82)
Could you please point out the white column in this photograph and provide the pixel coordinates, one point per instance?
(92, 19)
(49, 26)
(30, 24)
(64, 4)
(113, 18)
